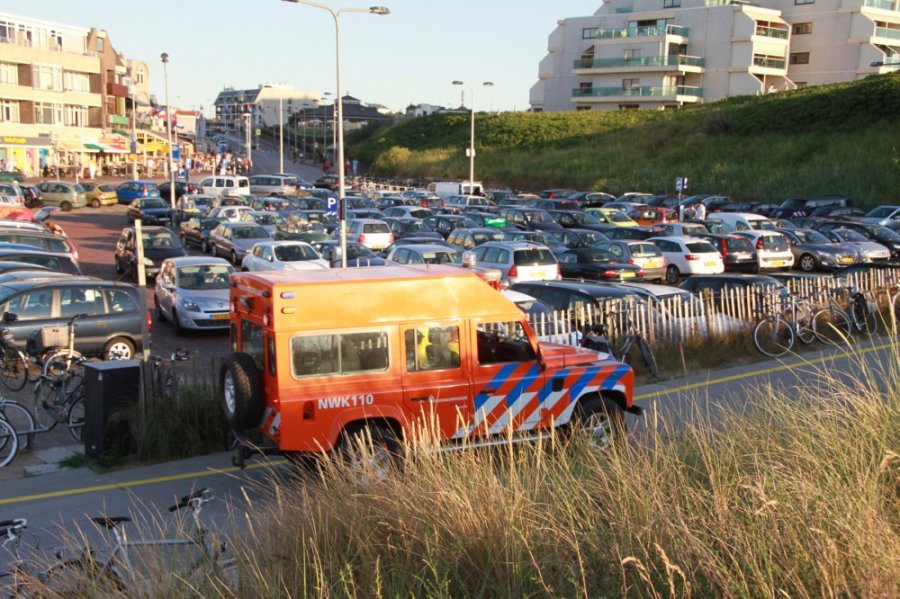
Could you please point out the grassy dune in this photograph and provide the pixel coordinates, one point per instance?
(823, 140)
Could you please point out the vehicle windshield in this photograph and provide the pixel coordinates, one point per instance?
(250, 233)
(485, 237)
(539, 217)
(882, 211)
(159, 240)
(154, 204)
(596, 256)
(811, 237)
(848, 235)
(793, 204)
(106, 188)
(205, 277)
(268, 219)
(294, 253)
(762, 225)
(445, 257)
(617, 216)
(884, 232)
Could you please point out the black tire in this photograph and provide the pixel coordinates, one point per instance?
(602, 420)
(21, 420)
(241, 389)
(648, 357)
(371, 453)
(46, 415)
(65, 206)
(13, 370)
(9, 443)
(122, 346)
(672, 274)
(75, 417)
(807, 263)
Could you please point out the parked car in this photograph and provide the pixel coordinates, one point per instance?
(446, 223)
(873, 231)
(151, 211)
(773, 252)
(99, 194)
(221, 185)
(423, 254)
(640, 253)
(469, 239)
(610, 216)
(112, 320)
(268, 204)
(529, 219)
(195, 232)
(409, 227)
(194, 204)
(487, 219)
(271, 185)
(745, 221)
(551, 239)
(579, 238)
(593, 263)
(518, 261)
(59, 262)
(357, 254)
(688, 256)
(32, 195)
(576, 297)
(372, 233)
(270, 221)
(64, 195)
(159, 243)
(283, 255)
(329, 182)
(407, 212)
(192, 293)
(679, 229)
(886, 215)
(234, 239)
(181, 188)
(868, 251)
(129, 191)
(796, 207)
(813, 251)
(41, 238)
(738, 253)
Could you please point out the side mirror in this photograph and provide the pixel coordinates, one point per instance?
(10, 317)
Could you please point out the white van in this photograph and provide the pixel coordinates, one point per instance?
(219, 185)
(744, 221)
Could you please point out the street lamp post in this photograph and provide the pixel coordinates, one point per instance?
(280, 134)
(471, 150)
(165, 61)
(336, 14)
(324, 128)
(133, 148)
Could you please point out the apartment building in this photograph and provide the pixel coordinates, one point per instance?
(65, 98)
(668, 53)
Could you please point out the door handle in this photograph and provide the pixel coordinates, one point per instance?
(425, 398)
(489, 390)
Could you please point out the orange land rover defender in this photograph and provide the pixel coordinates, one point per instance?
(398, 352)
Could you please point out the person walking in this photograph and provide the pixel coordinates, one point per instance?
(700, 211)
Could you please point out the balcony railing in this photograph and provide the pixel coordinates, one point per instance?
(117, 90)
(44, 46)
(648, 92)
(118, 119)
(781, 34)
(883, 4)
(886, 32)
(769, 63)
(652, 31)
(644, 61)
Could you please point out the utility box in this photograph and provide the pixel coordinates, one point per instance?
(110, 407)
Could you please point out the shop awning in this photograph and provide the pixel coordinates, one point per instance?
(113, 149)
(94, 147)
(122, 133)
(71, 146)
(154, 146)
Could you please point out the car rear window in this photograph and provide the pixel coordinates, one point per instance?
(701, 247)
(376, 228)
(641, 250)
(533, 256)
(738, 244)
(775, 243)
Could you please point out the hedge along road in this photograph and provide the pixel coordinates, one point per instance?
(66, 497)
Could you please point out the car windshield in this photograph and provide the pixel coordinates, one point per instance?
(793, 204)
(617, 216)
(534, 256)
(294, 253)
(268, 219)
(106, 188)
(485, 237)
(539, 217)
(701, 247)
(811, 237)
(154, 204)
(882, 211)
(159, 240)
(212, 276)
(848, 235)
(762, 224)
(255, 232)
(738, 244)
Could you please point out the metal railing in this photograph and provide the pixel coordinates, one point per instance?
(775, 32)
(638, 91)
(650, 31)
(883, 4)
(769, 63)
(643, 61)
(887, 32)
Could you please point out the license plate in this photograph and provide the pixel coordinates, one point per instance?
(540, 274)
(626, 274)
(846, 259)
(221, 316)
(710, 263)
(777, 262)
(649, 264)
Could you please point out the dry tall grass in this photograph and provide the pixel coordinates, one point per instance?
(781, 496)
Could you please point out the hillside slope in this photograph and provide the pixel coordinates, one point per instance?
(842, 138)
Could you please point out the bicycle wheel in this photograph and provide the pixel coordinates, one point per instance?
(895, 303)
(48, 410)
(13, 369)
(864, 320)
(9, 443)
(647, 355)
(61, 362)
(773, 336)
(832, 326)
(803, 325)
(20, 418)
(75, 418)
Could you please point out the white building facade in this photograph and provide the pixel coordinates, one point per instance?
(667, 53)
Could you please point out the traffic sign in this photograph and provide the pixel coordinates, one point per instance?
(176, 151)
(258, 132)
(331, 207)
(681, 184)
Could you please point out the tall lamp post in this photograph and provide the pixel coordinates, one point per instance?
(336, 14)
(165, 61)
(133, 148)
(471, 150)
(280, 133)
(324, 127)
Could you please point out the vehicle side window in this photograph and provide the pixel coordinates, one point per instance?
(35, 305)
(77, 300)
(492, 255)
(243, 183)
(432, 348)
(339, 354)
(252, 342)
(503, 342)
(615, 250)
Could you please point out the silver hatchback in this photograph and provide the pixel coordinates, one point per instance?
(518, 261)
(192, 293)
(270, 185)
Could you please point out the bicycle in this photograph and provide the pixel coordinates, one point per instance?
(9, 443)
(773, 335)
(863, 310)
(831, 324)
(118, 571)
(60, 354)
(14, 364)
(162, 376)
(20, 418)
(596, 337)
(20, 575)
(59, 397)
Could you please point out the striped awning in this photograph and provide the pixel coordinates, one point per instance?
(94, 147)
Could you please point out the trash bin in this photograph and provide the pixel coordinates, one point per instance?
(110, 407)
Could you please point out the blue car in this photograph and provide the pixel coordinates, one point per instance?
(128, 191)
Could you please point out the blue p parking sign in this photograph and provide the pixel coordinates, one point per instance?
(331, 207)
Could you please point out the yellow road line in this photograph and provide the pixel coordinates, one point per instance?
(136, 483)
(762, 371)
(270, 463)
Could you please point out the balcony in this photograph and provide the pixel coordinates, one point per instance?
(781, 34)
(118, 119)
(893, 5)
(893, 34)
(638, 92)
(769, 63)
(653, 31)
(644, 62)
(116, 90)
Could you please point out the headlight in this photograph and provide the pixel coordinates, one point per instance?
(826, 257)
(148, 262)
(189, 305)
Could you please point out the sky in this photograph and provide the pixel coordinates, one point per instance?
(410, 56)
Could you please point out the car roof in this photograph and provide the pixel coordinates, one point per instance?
(197, 261)
(591, 288)
(428, 247)
(513, 245)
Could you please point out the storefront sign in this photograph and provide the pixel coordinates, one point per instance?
(12, 140)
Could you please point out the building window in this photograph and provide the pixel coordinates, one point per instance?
(802, 28)
(9, 73)
(9, 111)
(589, 33)
(76, 116)
(799, 57)
(671, 3)
(630, 83)
(632, 54)
(800, 84)
(99, 44)
(48, 114)
(7, 32)
(140, 76)
(76, 82)
(804, 2)
(47, 77)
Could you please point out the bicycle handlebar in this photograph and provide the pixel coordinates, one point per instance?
(11, 528)
(204, 495)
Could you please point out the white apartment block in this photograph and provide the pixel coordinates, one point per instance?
(668, 53)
